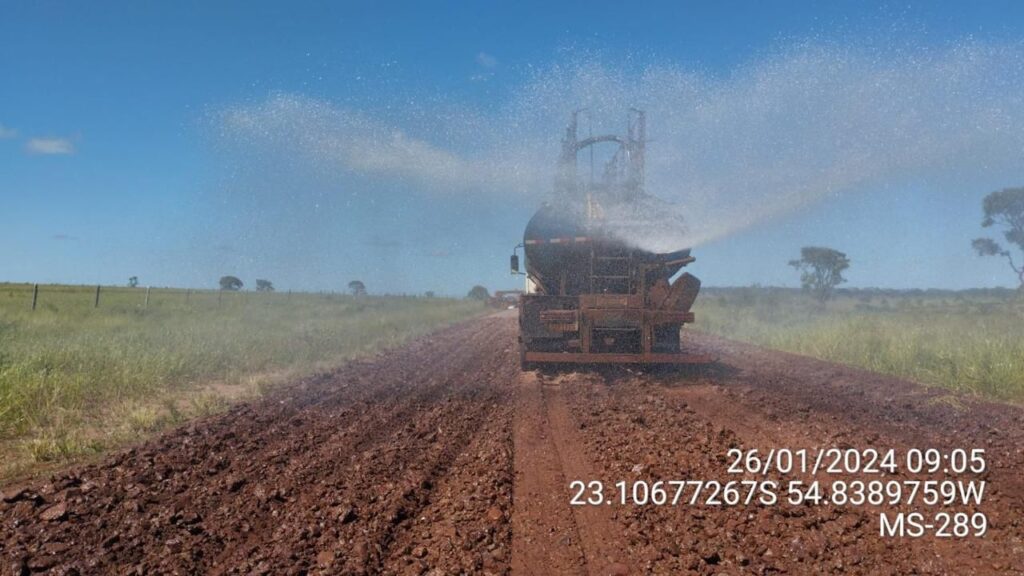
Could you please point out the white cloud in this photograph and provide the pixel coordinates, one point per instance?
(336, 138)
(486, 60)
(7, 133)
(50, 146)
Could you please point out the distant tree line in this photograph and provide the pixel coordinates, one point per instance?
(234, 283)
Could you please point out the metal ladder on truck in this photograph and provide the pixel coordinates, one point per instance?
(610, 274)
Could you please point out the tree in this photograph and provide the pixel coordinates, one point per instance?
(1004, 208)
(821, 270)
(357, 288)
(133, 282)
(429, 294)
(478, 292)
(264, 285)
(231, 283)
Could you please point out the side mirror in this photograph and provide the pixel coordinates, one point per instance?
(515, 263)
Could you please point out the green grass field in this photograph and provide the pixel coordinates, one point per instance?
(76, 380)
(970, 342)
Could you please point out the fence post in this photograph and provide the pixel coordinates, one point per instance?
(35, 296)
(146, 305)
(96, 301)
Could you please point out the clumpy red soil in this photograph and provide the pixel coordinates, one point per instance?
(441, 457)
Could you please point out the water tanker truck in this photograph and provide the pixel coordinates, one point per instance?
(593, 293)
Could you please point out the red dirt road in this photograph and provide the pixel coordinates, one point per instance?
(443, 458)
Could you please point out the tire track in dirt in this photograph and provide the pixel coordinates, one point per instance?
(550, 536)
(545, 537)
(601, 537)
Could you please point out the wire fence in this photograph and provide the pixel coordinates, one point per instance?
(63, 297)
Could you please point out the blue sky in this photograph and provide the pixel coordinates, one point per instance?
(113, 160)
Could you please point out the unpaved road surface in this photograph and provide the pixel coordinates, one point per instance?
(442, 458)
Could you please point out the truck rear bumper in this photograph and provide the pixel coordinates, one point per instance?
(616, 358)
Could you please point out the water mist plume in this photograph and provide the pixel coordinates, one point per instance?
(727, 152)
